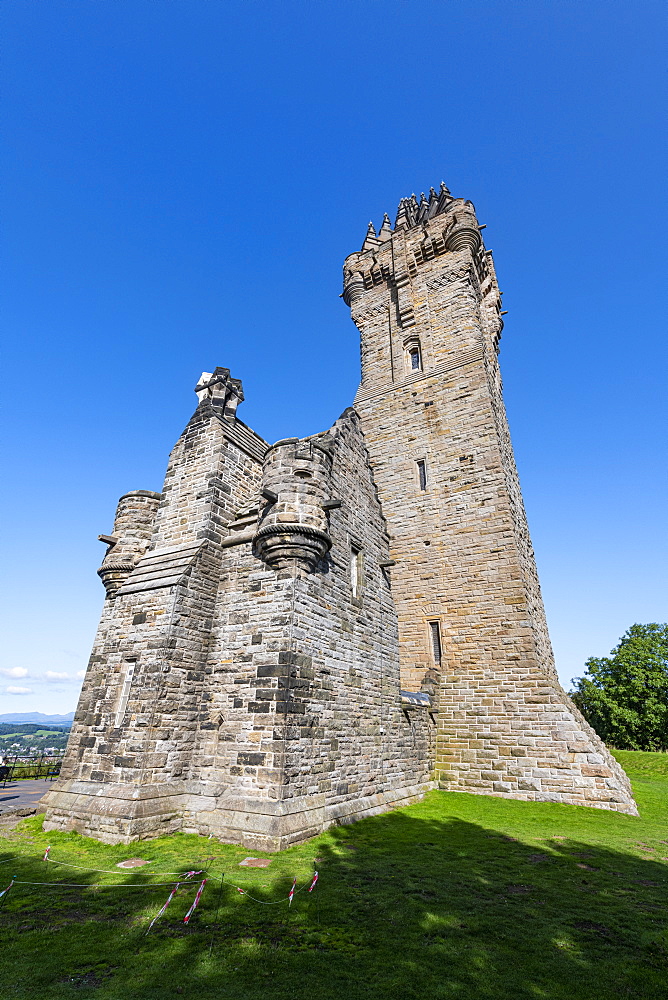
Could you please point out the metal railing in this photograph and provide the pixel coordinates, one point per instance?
(20, 765)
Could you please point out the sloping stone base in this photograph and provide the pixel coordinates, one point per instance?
(524, 740)
(119, 814)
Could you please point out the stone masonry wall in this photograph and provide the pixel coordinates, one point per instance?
(312, 729)
(240, 687)
(135, 740)
(460, 539)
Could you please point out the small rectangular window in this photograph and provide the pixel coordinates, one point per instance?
(435, 632)
(422, 473)
(356, 571)
(415, 359)
(122, 703)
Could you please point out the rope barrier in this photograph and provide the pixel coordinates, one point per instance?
(196, 900)
(263, 902)
(183, 876)
(106, 871)
(95, 885)
(275, 902)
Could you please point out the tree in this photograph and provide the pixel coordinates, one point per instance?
(624, 697)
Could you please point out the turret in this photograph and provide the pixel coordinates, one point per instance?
(296, 487)
(133, 527)
(403, 279)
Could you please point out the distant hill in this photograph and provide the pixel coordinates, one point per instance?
(33, 729)
(61, 720)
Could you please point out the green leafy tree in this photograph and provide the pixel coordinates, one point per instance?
(624, 696)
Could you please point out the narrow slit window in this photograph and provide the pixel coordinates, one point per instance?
(122, 704)
(422, 473)
(416, 360)
(435, 632)
(356, 571)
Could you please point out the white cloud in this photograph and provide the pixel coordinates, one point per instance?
(57, 675)
(14, 672)
(81, 674)
(19, 690)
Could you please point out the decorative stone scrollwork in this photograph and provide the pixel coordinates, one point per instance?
(282, 545)
(464, 234)
(353, 287)
(460, 273)
(364, 315)
(462, 238)
(114, 572)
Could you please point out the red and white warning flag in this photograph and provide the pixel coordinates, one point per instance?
(240, 890)
(199, 892)
(292, 891)
(46, 854)
(169, 899)
(312, 885)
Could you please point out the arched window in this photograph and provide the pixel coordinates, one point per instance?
(413, 354)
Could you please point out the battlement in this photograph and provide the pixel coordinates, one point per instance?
(425, 231)
(410, 213)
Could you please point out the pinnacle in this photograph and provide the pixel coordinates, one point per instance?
(411, 212)
(401, 221)
(370, 240)
(385, 230)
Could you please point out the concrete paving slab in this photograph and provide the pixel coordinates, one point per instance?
(23, 794)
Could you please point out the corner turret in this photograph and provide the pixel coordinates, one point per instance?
(133, 528)
(297, 483)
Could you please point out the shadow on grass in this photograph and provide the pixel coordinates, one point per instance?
(405, 908)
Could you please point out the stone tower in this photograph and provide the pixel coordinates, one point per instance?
(472, 628)
(305, 633)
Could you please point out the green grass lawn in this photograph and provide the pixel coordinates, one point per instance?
(460, 896)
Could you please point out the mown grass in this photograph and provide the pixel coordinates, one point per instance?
(459, 896)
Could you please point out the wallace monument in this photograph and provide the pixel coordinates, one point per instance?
(308, 632)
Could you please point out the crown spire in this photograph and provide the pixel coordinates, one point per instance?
(412, 212)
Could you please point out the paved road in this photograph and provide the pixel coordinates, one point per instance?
(23, 794)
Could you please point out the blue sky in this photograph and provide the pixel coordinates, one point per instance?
(183, 180)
